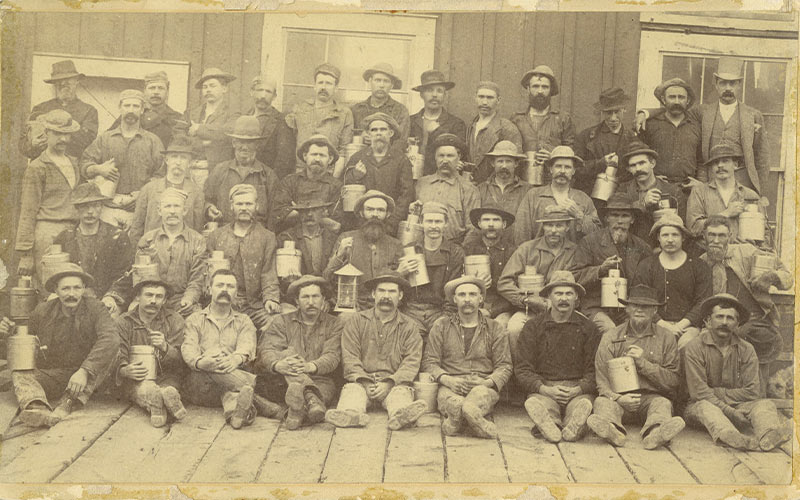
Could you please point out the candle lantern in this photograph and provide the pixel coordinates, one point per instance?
(347, 288)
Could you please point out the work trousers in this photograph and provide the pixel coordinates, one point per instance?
(208, 388)
(653, 409)
(354, 397)
(291, 388)
(44, 385)
(136, 392)
(561, 414)
(484, 398)
(762, 414)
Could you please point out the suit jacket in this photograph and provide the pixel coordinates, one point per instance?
(216, 145)
(498, 129)
(448, 124)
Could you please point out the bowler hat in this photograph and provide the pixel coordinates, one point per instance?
(562, 278)
(62, 70)
(365, 123)
(727, 300)
(387, 70)
(451, 140)
(59, 121)
(642, 295)
(674, 82)
(555, 213)
(388, 276)
(181, 144)
(64, 269)
(328, 69)
(476, 213)
(506, 148)
(541, 70)
(317, 140)
(246, 127)
(87, 192)
(149, 276)
(217, 73)
(305, 280)
(637, 147)
(669, 219)
(374, 193)
(620, 201)
(564, 152)
(729, 68)
(613, 98)
(433, 77)
(723, 150)
(450, 286)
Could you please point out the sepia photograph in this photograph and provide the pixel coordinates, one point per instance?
(370, 254)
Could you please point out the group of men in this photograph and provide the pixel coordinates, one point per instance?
(263, 339)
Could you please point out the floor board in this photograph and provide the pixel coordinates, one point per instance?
(358, 454)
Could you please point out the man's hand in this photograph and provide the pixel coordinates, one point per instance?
(459, 385)
(229, 363)
(691, 183)
(136, 371)
(310, 368)
(636, 353)
(536, 303)
(208, 364)
(158, 341)
(379, 390)
(486, 278)
(611, 160)
(186, 306)
(272, 307)
(639, 123)
(345, 247)
(6, 327)
(213, 213)
(567, 393)
(284, 368)
(734, 209)
(407, 266)
(573, 209)
(766, 280)
(612, 262)
(25, 267)
(541, 156)
(630, 402)
(106, 169)
(110, 304)
(330, 224)
(77, 383)
(739, 419)
(652, 197)
(192, 131)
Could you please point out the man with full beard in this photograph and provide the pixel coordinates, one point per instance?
(368, 248)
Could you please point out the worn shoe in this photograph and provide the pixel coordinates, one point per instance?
(346, 418)
(483, 428)
(294, 419)
(606, 430)
(664, 433)
(244, 404)
(576, 424)
(38, 415)
(267, 408)
(736, 439)
(155, 405)
(451, 426)
(314, 407)
(775, 437)
(407, 415)
(542, 420)
(172, 400)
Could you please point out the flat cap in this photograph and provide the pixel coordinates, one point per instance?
(328, 69)
(241, 189)
(156, 76)
(131, 94)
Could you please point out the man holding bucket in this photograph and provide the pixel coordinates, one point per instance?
(468, 354)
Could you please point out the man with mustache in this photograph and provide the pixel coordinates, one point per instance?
(128, 156)
(487, 129)
(723, 381)
(244, 168)
(65, 80)
(47, 183)
(493, 238)
(152, 324)
(655, 355)
(555, 363)
(369, 248)
(297, 355)
(448, 187)
(551, 252)
(468, 355)
(381, 354)
(276, 151)
(382, 80)
(81, 341)
(178, 158)
(210, 120)
(541, 127)
(250, 250)
(433, 119)
(313, 183)
(503, 188)
(444, 262)
(315, 241)
(219, 344)
(682, 281)
(611, 247)
(322, 114)
(562, 165)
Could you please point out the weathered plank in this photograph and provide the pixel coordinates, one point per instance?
(23, 438)
(773, 467)
(474, 460)
(52, 452)
(652, 466)
(514, 427)
(236, 455)
(357, 454)
(415, 454)
(297, 456)
(583, 458)
(710, 463)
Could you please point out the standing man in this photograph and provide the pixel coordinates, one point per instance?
(213, 117)
(64, 78)
(655, 355)
(467, 354)
(448, 187)
(503, 188)
(218, 345)
(562, 164)
(45, 208)
(382, 80)
(722, 377)
(433, 119)
(157, 117)
(555, 363)
(299, 352)
(381, 354)
(276, 151)
(487, 129)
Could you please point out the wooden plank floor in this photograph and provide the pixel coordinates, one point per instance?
(109, 441)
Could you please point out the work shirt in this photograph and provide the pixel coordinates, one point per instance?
(160, 121)
(443, 265)
(277, 150)
(555, 129)
(377, 351)
(533, 253)
(211, 133)
(644, 220)
(680, 154)
(391, 107)
(482, 141)
(299, 188)
(705, 200)
(724, 380)
(83, 113)
(132, 331)
(508, 198)
(287, 335)
(181, 262)
(659, 370)
(499, 254)
(87, 339)
(446, 124)
(146, 217)
(226, 174)
(548, 350)
(333, 120)
(457, 194)
(138, 158)
(312, 260)
(206, 336)
(682, 290)
(45, 195)
(532, 208)
(487, 355)
(592, 145)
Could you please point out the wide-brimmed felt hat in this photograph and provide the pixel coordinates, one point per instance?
(764, 337)
(642, 295)
(555, 213)
(86, 193)
(388, 276)
(64, 269)
(181, 144)
(433, 77)
(564, 152)
(148, 276)
(318, 140)
(542, 70)
(729, 68)
(365, 123)
(506, 148)
(727, 300)
(637, 147)
(311, 204)
(62, 70)
(374, 193)
(59, 120)
(476, 213)
(669, 219)
(562, 278)
(305, 280)
(450, 140)
(328, 69)
(619, 201)
(613, 98)
(674, 82)
(217, 73)
(246, 127)
(723, 150)
(387, 70)
(450, 286)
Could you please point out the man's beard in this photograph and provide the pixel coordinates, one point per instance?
(539, 102)
(373, 230)
(130, 118)
(619, 235)
(716, 254)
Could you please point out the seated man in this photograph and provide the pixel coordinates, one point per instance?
(81, 341)
(381, 353)
(218, 343)
(655, 354)
(555, 363)
(722, 377)
(467, 353)
(298, 353)
(150, 323)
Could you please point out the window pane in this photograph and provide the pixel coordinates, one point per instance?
(774, 126)
(293, 94)
(304, 52)
(764, 86)
(353, 54)
(690, 69)
(709, 92)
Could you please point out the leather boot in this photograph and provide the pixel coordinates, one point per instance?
(37, 414)
(267, 408)
(575, 425)
(172, 400)
(477, 421)
(542, 420)
(155, 405)
(775, 437)
(315, 408)
(296, 402)
(736, 439)
(453, 422)
(664, 433)
(346, 418)
(407, 415)
(244, 407)
(606, 430)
